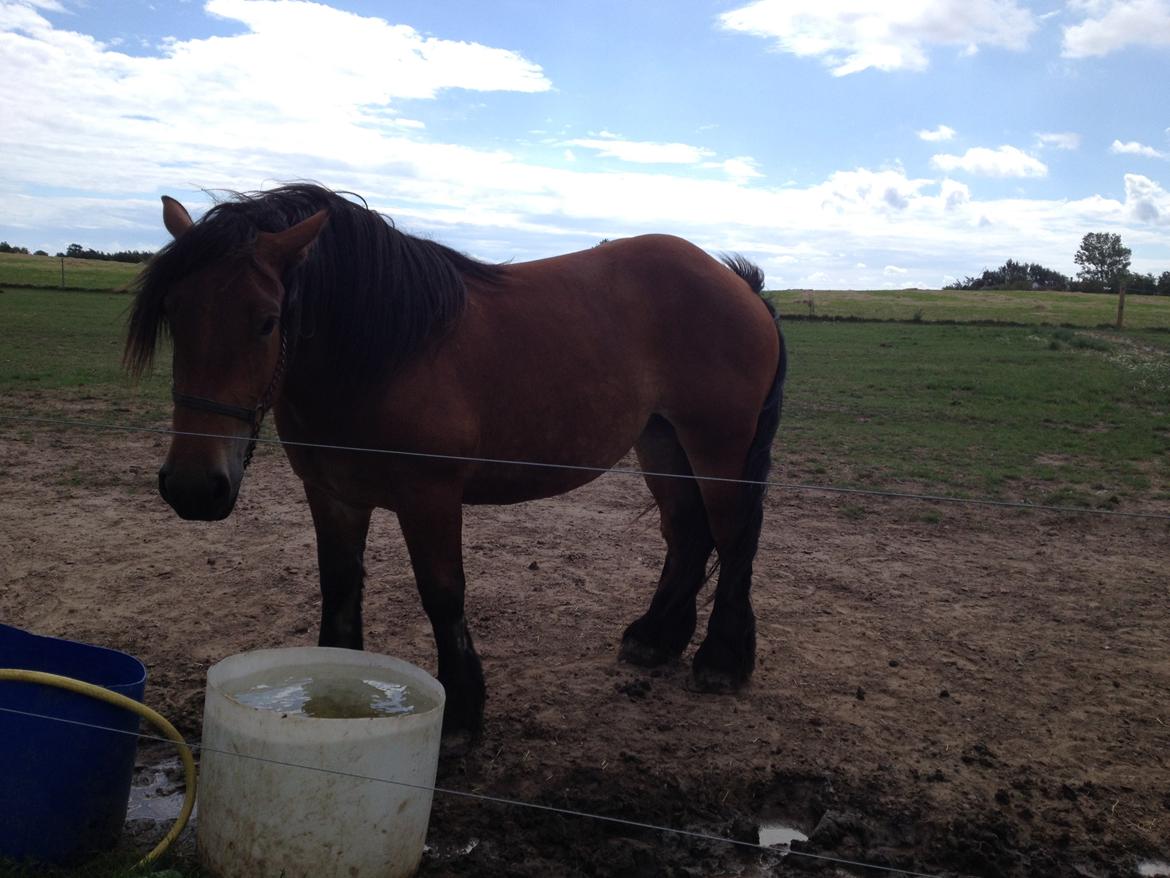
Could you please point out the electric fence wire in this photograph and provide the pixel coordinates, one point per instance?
(623, 471)
(495, 800)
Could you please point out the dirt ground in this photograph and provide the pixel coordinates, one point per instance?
(949, 690)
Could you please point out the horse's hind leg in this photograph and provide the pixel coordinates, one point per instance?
(664, 631)
(726, 658)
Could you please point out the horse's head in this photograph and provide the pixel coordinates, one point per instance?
(224, 317)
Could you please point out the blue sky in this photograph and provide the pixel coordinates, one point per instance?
(839, 143)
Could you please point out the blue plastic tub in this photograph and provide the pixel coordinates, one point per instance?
(64, 787)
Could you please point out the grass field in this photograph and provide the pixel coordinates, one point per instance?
(1048, 415)
(1037, 413)
(1072, 309)
(929, 306)
(83, 274)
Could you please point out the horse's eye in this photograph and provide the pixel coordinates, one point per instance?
(267, 326)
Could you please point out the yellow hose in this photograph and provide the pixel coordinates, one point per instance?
(157, 720)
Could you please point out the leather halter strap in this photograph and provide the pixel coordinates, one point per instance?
(252, 416)
(239, 412)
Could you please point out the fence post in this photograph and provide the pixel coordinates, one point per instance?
(1120, 303)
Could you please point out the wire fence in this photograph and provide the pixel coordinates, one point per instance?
(775, 851)
(621, 471)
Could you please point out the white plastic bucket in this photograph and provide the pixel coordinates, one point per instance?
(267, 816)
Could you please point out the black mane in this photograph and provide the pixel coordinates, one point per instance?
(373, 294)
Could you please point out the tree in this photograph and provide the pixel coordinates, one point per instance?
(1164, 284)
(1103, 259)
(1142, 284)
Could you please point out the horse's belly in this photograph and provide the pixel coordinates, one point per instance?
(514, 476)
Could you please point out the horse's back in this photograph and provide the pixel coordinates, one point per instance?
(580, 350)
(674, 299)
(685, 323)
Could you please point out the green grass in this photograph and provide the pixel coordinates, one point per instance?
(1051, 415)
(1058, 416)
(932, 306)
(69, 344)
(1046, 414)
(17, 269)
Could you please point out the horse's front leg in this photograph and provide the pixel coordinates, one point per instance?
(433, 528)
(341, 545)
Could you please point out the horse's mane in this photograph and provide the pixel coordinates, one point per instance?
(372, 294)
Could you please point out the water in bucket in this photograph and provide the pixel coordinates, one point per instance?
(331, 692)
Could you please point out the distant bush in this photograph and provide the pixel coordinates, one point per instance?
(1148, 285)
(1014, 275)
(76, 251)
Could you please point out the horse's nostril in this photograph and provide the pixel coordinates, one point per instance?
(221, 488)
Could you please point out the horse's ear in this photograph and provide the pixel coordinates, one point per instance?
(289, 247)
(175, 216)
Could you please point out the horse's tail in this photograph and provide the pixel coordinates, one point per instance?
(759, 456)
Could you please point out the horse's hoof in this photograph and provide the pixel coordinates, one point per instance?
(719, 670)
(635, 652)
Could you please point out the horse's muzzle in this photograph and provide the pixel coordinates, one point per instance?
(198, 494)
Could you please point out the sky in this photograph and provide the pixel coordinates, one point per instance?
(838, 143)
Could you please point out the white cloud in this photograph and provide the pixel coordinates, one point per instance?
(1135, 148)
(1111, 25)
(741, 168)
(80, 116)
(1058, 140)
(1146, 201)
(304, 80)
(642, 151)
(861, 190)
(854, 35)
(954, 195)
(1007, 161)
(894, 270)
(942, 132)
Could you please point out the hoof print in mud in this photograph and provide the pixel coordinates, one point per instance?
(635, 689)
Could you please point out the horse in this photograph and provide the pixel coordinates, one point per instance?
(491, 383)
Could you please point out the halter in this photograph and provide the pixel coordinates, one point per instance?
(251, 416)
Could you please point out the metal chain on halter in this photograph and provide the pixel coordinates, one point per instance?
(265, 402)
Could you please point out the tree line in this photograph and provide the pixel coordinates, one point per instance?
(1104, 262)
(76, 251)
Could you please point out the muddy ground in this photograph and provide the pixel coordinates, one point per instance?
(950, 690)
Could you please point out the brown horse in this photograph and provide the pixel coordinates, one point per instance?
(361, 336)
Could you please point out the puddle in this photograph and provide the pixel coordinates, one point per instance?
(773, 834)
(1154, 869)
(157, 793)
(450, 853)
